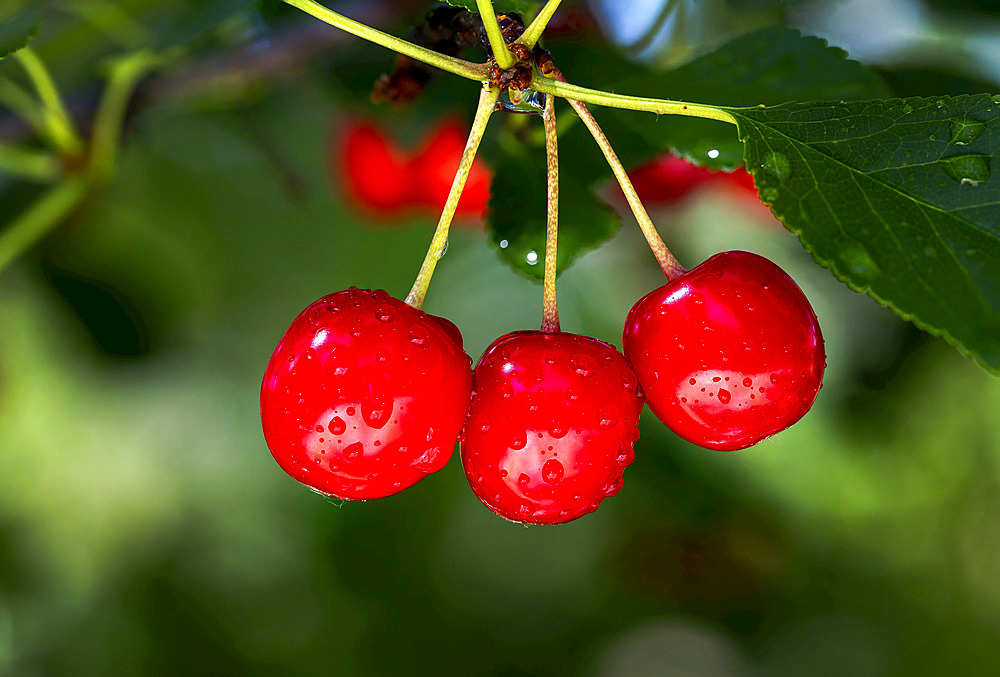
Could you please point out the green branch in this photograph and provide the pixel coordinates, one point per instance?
(58, 123)
(466, 69)
(538, 24)
(40, 218)
(502, 55)
(595, 96)
(29, 164)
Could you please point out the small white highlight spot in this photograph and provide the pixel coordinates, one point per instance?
(532, 258)
(714, 153)
(503, 244)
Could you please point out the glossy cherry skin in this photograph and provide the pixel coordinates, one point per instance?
(364, 395)
(373, 172)
(728, 353)
(551, 426)
(433, 170)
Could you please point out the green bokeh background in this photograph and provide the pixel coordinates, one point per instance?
(145, 529)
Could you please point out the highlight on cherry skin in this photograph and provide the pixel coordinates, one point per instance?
(551, 426)
(364, 395)
(728, 353)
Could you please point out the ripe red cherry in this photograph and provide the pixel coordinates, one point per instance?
(668, 179)
(728, 353)
(434, 169)
(371, 169)
(364, 395)
(551, 426)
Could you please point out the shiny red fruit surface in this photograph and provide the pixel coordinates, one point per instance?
(728, 353)
(364, 395)
(373, 172)
(551, 426)
(433, 170)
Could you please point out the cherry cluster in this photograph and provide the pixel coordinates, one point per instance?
(385, 180)
(366, 395)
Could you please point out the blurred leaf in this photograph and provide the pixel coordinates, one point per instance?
(517, 216)
(769, 66)
(897, 198)
(196, 25)
(524, 7)
(18, 32)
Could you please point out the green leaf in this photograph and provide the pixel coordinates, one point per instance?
(517, 216)
(523, 7)
(768, 66)
(899, 198)
(18, 32)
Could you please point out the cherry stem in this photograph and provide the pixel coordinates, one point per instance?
(29, 164)
(106, 137)
(550, 308)
(538, 24)
(501, 54)
(487, 103)
(466, 69)
(671, 267)
(58, 123)
(40, 218)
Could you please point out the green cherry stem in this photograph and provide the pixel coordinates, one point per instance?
(550, 308)
(466, 69)
(597, 97)
(125, 75)
(487, 103)
(502, 55)
(58, 123)
(671, 267)
(29, 164)
(40, 218)
(538, 24)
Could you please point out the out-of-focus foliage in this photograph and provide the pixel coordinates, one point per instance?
(144, 528)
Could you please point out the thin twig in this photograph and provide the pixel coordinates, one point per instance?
(550, 307)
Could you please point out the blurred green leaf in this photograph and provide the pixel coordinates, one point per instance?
(897, 198)
(18, 32)
(517, 216)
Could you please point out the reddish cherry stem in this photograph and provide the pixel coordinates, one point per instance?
(550, 308)
(672, 268)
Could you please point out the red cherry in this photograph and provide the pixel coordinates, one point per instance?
(668, 179)
(434, 169)
(728, 353)
(364, 395)
(551, 426)
(372, 171)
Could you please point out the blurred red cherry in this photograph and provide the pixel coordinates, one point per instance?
(668, 179)
(368, 167)
(434, 167)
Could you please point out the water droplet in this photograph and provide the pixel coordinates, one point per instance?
(337, 426)
(692, 381)
(724, 396)
(523, 479)
(338, 362)
(965, 130)
(607, 419)
(531, 257)
(968, 170)
(376, 410)
(352, 452)
(525, 510)
(584, 365)
(383, 315)
(429, 459)
(552, 471)
(518, 441)
(857, 262)
(613, 488)
(558, 432)
(418, 335)
(778, 166)
(747, 382)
